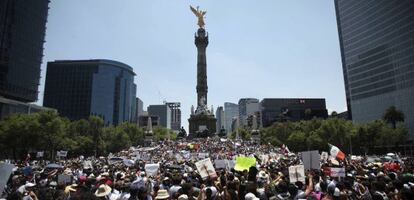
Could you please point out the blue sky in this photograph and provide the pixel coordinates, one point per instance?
(261, 49)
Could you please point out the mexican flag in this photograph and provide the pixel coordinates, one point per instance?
(336, 152)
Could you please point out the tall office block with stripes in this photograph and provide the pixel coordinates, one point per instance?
(377, 48)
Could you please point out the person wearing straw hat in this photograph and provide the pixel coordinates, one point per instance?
(162, 194)
(103, 191)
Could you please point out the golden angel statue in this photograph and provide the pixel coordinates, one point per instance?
(200, 15)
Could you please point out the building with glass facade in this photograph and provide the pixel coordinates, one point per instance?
(247, 107)
(8, 106)
(80, 88)
(377, 48)
(175, 115)
(163, 112)
(231, 111)
(275, 109)
(22, 34)
(220, 118)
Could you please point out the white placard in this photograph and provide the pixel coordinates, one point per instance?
(311, 159)
(231, 164)
(5, 171)
(337, 172)
(62, 153)
(152, 169)
(324, 156)
(40, 154)
(205, 168)
(202, 155)
(297, 173)
(220, 164)
(87, 164)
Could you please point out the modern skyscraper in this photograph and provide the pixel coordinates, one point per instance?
(175, 115)
(231, 111)
(22, 34)
(247, 107)
(220, 118)
(163, 112)
(80, 88)
(276, 109)
(140, 107)
(377, 48)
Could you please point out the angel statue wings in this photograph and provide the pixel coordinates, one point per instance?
(200, 15)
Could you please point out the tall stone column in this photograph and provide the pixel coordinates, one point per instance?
(201, 42)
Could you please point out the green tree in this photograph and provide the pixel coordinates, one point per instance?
(117, 139)
(243, 134)
(96, 125)
(19, 134)
(161, 133)
(297, 141)
(393, 116)
(135, 133)
(53, 135)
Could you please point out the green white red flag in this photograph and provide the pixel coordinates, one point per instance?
(336, 152)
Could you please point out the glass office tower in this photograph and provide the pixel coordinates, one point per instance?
(80, 88)
(22, 34)
(377, 47)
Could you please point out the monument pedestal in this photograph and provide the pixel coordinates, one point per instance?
(202, 125)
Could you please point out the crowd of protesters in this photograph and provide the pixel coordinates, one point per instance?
(122, 176)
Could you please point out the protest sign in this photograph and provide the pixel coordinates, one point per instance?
(40, 154)
(62, 153)
(297, 173)
(202, 155)
(205, 168)
(230, 164)
(244, 163)
(324, 156)
(87, 164)
(145, 156)
(264, 158)
(152, 169)
(220, 164)
(64, 179)
(128, 162)
(114, 160)
(337, 172)
(311, 159)
(5, 171)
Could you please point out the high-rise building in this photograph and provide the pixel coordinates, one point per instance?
(80, 88)
(377, 48)
(220, 118)
(163, 112)
(143, 121)
(22, 35)
(139, 108)
(247, 107)
(175, 115)
(231, 111)
(275, 109)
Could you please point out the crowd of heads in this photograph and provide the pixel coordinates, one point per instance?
(123, 175)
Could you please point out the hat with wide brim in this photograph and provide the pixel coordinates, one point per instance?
(162, 194)
(71, 188)
(103, 190)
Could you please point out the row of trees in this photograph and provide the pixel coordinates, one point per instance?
(47, 131)
(352, 138)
